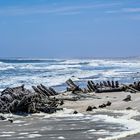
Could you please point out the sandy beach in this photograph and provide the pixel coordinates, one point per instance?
(96, 99)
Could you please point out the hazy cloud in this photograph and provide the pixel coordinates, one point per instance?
(131, 10)
(76, 9)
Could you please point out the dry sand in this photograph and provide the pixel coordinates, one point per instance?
(116, 98)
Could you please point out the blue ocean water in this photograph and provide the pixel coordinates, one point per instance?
(54, 72)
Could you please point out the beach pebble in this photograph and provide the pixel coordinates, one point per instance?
(128, 108)
(102, 106)
(108, 103)
(94, 107)
(2, 118)
(89, 108)
(128, 98)
(75, 112)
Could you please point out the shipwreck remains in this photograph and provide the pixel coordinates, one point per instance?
(46, 99)
(20, 99)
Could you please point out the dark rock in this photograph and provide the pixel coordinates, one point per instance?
(128, 108)
(128, 98)
(75, 112)
(2, 118)
(10, 120)
(102, 106)
(94, 107)
(108, 103)
(61, 102)
(89, 108)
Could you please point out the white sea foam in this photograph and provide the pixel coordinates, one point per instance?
(100, 132)
(57, 67)
(23, 133)
(61, 138)
(74, 62)
(34, 135)
(21, 137)
(8, 132)
(6, 68)
(131, 126)
(18, 121)
(5, 135)
(64, 113)
(57, 73)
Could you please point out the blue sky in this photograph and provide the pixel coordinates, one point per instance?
(69, 28)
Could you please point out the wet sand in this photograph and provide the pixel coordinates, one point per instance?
(54, 128)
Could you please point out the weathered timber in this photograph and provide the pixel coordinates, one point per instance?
(101, 90)
(52, 90)
(72, 86)
(112, 85)
(46, 90)
(101, 84)
(90, 89)
(66, 98)
(38, 91)
(109, 84)
(116, 84)
(19, 99)
(71, 83)
(105, 84)
(131, 88)
(91, 86)
(43, 90)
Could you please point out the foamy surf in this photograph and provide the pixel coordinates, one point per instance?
(46, 71)
(130, 126)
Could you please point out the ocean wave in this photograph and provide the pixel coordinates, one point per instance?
(26, 60)
(57, 67)
(115, 63)
(7, 68)
(75, 62)
(53, 72)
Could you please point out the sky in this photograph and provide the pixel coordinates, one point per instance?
(69, 28)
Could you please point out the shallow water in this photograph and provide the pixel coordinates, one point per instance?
(65, 125)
